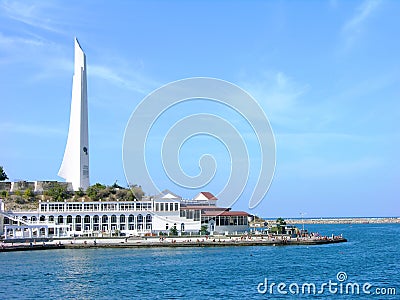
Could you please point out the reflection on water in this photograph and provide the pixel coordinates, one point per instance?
(201, 273)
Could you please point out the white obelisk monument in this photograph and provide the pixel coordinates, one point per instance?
(75, 165)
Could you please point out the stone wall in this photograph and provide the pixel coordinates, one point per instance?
(5, 186)
(22, 186)
(35, 186)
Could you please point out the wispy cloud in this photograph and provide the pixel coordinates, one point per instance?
(14, 42)
(127, 79)
(278, 94)
(353, 27)
(31, 14)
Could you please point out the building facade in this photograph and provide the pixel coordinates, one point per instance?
(152, 216)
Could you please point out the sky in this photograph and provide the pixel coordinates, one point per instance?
(325, 73)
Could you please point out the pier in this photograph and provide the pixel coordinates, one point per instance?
(171, 242)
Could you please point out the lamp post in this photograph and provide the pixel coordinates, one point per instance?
(302, 219)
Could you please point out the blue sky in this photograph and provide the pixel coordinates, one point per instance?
(326, 73)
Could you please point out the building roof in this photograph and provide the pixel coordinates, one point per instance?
(204, 208)
(225, 213)
(167, 194)
(205, 196)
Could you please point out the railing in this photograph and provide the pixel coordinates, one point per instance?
(24, 221)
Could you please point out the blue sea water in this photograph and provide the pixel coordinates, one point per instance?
(372, 255)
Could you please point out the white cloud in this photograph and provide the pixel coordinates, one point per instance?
(278, 95)
(30, 14)
(353, 27)
(8, 42)
(127, 79)
(363, 12)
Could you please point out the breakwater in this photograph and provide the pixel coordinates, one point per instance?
(394, 220)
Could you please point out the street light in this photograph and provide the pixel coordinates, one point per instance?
(302, 218)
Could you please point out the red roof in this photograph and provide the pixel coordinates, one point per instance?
(225, 213)
(209, 196)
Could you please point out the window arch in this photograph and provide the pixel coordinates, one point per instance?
(148, 222)
(139, 222)
(140, 219)
(148, 218)
(60, 219)
(96, 219)
(104, 219)
(131, 219)
(87, 219)
(122, 218)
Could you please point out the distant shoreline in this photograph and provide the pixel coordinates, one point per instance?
(343, 220)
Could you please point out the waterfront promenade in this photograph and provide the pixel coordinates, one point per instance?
(150, 242)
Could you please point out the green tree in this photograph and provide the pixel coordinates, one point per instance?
(203, 230)
(58, 192)
(80, 192)
(280, 225)
(3, 175)
(137, 191)
(93, 191)
(4, 194)
(173, 231)
(280, 221)
(124, 195)
(28, 194)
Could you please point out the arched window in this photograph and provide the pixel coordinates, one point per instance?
(122, 218)
(95, 219)
(139, 222)
(41, 219)
(51, 218)
(148, 218)
(60, 219)
(87, 219)
(183, 227)
(104, 219)
(114, 219)
(78, 219)
(148, 222)
(131, 219)
(140, 219)
(69, 219)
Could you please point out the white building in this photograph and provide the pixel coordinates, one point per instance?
(128, 218)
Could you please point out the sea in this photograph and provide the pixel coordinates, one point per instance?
(366, 267)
